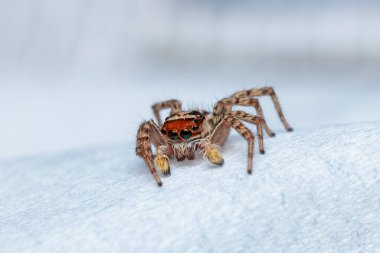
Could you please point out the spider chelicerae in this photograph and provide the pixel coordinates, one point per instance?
(185, 132)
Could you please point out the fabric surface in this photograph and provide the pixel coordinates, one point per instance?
(315, 190)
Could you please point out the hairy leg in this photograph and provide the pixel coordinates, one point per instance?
(147, 132)
(233, 119)
(174, 105)
(225, 105)
(259, 122)
(265, 91)
(220, 133)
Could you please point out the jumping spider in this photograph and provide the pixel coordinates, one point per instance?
(184, 132)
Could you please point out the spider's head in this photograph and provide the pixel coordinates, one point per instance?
(183, 126)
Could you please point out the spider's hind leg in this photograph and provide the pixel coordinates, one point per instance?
(174, 105)
(225, 105)
(265, 91)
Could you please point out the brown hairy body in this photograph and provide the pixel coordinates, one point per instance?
(183, 133)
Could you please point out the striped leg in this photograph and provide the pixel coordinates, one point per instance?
(174, 105)
(259, 122)
(225, 105)
(148, 131)
(265, 91)
(233, 119)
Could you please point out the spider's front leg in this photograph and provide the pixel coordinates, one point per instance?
(147, 134)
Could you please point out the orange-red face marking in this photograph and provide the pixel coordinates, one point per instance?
(182, 129)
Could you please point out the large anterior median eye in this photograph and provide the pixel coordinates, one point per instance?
(173, 135)
(185, 134)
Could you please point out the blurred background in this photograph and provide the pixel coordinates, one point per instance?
(77, 73)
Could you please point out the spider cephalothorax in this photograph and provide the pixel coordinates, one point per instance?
(183, 133)
(183, 126)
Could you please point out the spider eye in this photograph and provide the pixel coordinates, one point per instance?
(173, 135)
(163, 131)
(185, 134)
(195, 128)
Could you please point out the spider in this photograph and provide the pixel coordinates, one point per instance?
(184, 132)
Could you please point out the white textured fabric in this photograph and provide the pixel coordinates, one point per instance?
(315, 190)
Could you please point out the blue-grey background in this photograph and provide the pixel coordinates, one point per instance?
(79, 73)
